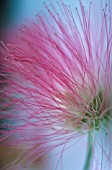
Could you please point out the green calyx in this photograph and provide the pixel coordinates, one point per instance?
(92, 117)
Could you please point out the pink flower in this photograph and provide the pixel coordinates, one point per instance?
(58, 81)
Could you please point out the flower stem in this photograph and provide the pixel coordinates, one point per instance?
(89, 152)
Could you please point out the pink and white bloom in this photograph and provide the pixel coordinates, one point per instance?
(59, 81)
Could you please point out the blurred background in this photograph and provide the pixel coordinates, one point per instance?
(13, 14)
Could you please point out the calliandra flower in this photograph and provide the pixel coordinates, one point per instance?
(58, 82)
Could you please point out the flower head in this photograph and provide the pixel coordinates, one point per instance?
(58, 80)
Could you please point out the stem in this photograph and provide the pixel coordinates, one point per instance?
(89, 152)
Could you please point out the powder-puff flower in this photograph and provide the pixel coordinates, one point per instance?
(58, 82)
